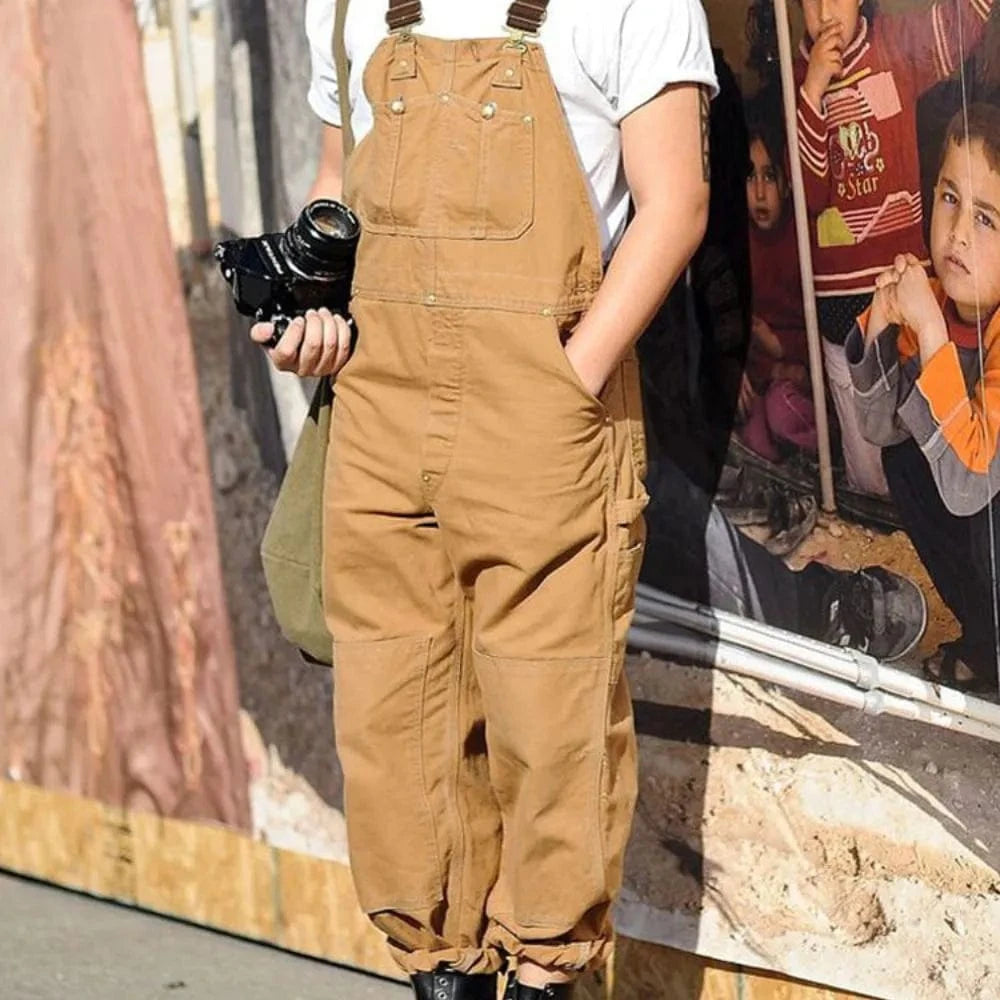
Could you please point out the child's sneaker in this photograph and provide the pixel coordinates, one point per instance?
(791, 519)
(874, 611)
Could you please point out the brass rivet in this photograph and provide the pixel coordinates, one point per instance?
(509, 73)
(489, 110)
(431, 298)
(445, 98)
(403, 63)
(398, 106)
(426, 477)
(527, 119)
(546, 311)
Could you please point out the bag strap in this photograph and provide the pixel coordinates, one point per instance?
(343, 76)
(524, 15)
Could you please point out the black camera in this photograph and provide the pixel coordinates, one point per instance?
(278, 276)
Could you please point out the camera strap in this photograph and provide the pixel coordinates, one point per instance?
(525, 16)
(343, 76)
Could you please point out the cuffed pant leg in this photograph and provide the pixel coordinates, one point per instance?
(551, 556)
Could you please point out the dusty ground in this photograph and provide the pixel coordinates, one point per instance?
(780, 831)
(772, 829)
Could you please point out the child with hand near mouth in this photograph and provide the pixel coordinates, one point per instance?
(925, 365)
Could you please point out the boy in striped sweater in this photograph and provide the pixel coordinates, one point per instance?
(859, 75)
(925, 365)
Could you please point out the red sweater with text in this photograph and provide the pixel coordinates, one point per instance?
(859, 149)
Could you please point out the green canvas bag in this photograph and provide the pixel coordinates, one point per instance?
(292, 547)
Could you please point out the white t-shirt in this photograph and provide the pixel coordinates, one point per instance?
(607, 57)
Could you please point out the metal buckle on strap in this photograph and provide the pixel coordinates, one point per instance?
(405, 30)
(518, 38)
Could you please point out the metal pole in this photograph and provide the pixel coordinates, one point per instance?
(187, 111)
(654, 606)
(827, 497)
(733, 659)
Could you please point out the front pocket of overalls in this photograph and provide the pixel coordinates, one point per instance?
(445, 167)
(555, 343)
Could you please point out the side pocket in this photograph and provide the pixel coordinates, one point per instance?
(628, 563)
(378, 718)
(556, 336)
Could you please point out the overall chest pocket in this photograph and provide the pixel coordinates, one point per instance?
(444, 167)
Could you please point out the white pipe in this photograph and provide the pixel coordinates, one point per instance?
(805, 256)
(865, 672)
(770, 670)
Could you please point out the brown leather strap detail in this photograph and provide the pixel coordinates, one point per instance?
(527, 15)
(403, 14)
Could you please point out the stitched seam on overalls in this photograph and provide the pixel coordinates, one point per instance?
(441, 868)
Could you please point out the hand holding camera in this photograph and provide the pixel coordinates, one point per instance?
(297, 285)
(318, 343)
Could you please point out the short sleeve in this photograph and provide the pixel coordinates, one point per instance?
(662, 42)
(323, 93)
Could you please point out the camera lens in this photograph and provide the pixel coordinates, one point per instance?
(331, 220)
(323, 239)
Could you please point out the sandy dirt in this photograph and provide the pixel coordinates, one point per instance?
(784, 832)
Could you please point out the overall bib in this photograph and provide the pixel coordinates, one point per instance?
(482, 523)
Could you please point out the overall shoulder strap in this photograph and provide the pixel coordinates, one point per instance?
(343, 75)
(527, 15)
(404, 14)
(524, 15)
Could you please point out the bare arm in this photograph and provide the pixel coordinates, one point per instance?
(330, 172)
(665, 150)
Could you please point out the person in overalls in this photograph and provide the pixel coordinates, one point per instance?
(483, 502)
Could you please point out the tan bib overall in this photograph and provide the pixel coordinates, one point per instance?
(482, 522)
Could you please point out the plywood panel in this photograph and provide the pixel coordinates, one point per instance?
(643, 970)
(223, 879)
(66, 840)
(208, 875)
(319, 914)
(763, 986)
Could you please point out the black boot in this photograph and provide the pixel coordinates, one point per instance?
(453, 986)
(555, 991)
